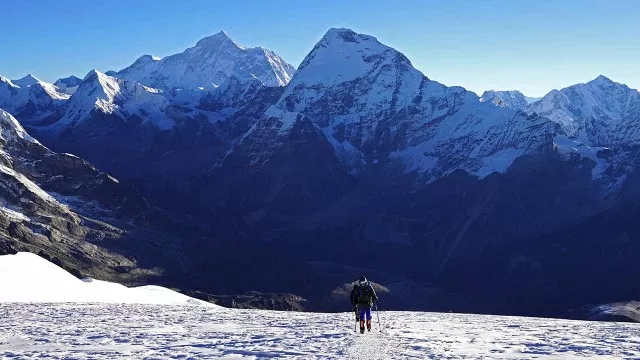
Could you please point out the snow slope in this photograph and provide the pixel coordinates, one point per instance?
(63, 331)
(47, 310)
(211, 62)
(28, 278)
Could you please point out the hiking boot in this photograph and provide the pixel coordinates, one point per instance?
(368, 325)
(361, 327)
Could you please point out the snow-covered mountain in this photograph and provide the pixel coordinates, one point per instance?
(374, 107)
(599, 113)
(512, 99)
(30, 97)
(62, 207)
(141, 132)
(68, 85)
(124, 99)
(211, 62)
(361, 149)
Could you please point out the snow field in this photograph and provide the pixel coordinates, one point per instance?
(125, 331)
(46, 311)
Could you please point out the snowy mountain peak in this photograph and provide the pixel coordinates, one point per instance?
(93, 74)
(208, 64)
(145, 59)
(343, 55)
(68, 81)
(113, 96)
(216, 40)
(343, 34)
(30, 97)
(27, 80)
(374, 107)
(511, 99)
(68, 85)
(598, 113)
(602, 80)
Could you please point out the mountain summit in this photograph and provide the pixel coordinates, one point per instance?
(30, 97)
(210, 63)
(374, 107)
(600, 112)
(512, 99)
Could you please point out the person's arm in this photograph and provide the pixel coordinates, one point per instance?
(352, 296)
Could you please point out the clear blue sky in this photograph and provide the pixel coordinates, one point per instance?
(533, 46)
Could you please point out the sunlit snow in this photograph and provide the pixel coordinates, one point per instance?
(47, 311)
(26, 277)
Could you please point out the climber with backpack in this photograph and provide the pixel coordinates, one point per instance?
(362, 298)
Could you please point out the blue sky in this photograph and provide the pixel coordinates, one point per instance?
(533, 46)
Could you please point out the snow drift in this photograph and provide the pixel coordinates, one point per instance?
(26, 277)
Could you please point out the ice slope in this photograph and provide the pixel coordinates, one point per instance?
(104, 331)
(211, 62)
(28, 278)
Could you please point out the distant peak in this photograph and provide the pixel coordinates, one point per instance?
(93, 74)
(343, 55)
(491, 93)
(67, 82)
(214, 40)
(70, 78)
(27, 80)
(146, 59)
(29, 77)
(601, 79)
(343, 34)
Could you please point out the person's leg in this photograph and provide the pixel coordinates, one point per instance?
(368, 316)
(362, 312)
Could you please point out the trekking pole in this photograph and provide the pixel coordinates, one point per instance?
(355, 327)
(378, 315)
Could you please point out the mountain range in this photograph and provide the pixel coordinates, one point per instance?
(229, 160)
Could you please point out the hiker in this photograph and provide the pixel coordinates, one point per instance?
(362, 298)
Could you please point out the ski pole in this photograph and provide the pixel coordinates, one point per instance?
(378, 315)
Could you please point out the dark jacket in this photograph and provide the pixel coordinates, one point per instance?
(363, 295)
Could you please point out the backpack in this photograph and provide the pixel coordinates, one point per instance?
(365, 295)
